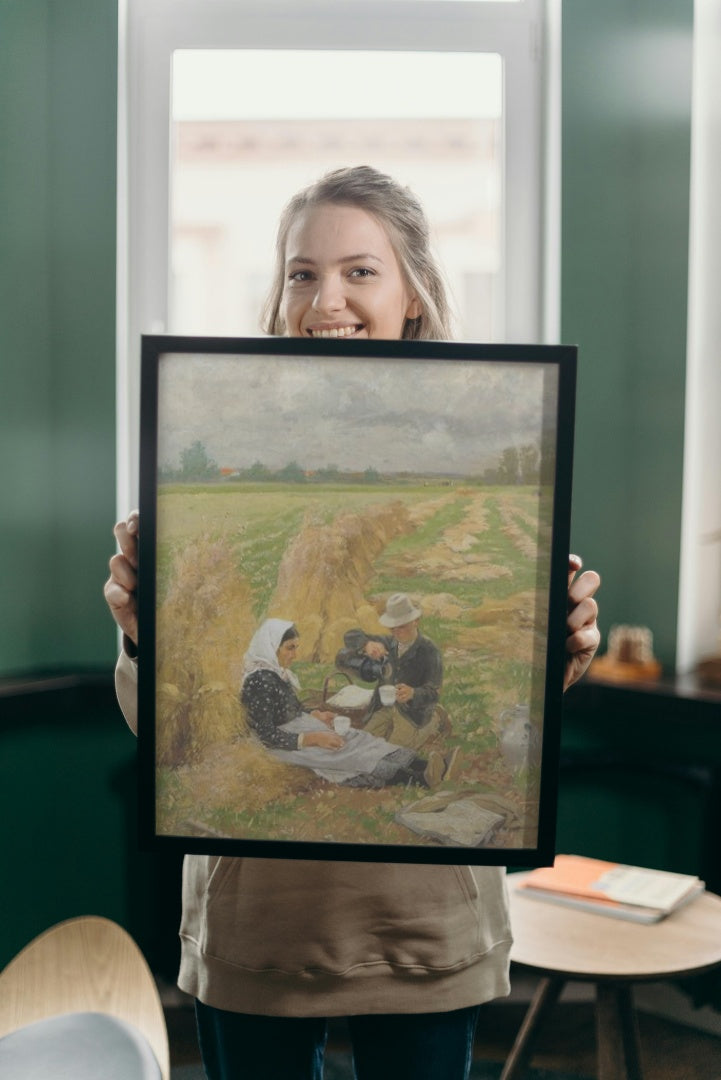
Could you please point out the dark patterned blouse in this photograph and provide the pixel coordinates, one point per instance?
(271, 702)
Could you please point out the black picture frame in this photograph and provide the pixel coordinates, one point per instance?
(310, 481)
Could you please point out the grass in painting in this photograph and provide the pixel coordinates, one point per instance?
(327, 558)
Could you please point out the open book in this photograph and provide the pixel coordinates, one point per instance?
(608, 888)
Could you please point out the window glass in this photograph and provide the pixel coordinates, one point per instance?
(432, 120)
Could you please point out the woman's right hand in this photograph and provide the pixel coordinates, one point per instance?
(121, 587)
(327, 739)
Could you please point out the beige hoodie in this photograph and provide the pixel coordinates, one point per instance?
(284, 937)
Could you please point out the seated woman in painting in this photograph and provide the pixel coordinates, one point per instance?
(296, 737)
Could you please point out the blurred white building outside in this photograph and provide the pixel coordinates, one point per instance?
(236, 161)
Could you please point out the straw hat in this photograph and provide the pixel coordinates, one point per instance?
(399, 610)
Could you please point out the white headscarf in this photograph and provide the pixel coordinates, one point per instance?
(262, 654)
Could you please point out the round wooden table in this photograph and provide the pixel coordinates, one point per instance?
(563, 944)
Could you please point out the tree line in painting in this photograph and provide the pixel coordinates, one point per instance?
(514, 465)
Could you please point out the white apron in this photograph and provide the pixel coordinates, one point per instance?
(361, 755)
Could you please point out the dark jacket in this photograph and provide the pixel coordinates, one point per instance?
(420, 666)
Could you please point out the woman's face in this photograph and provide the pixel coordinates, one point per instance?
(287, 652)
(342, 277)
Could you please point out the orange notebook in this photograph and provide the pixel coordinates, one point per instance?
(631, 892)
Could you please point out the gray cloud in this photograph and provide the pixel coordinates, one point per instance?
(418, 415)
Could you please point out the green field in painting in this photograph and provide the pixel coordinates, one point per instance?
(229, 555)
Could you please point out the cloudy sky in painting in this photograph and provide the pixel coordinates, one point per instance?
(424, 416)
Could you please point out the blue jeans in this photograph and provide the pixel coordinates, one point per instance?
(414, 1046)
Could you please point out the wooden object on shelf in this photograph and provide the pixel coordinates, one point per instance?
(630, 656)
(708, 671)
(605, 667)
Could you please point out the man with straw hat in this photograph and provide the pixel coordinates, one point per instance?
(408, 662)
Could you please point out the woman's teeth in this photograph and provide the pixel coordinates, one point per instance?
(337, 331)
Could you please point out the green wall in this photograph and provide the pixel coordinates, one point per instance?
(67, 762)
(625, 200)
(68, 801)
(58, 73)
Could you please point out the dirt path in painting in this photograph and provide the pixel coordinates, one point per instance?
(518, 525)
(323, 577)
(499, 627)
(458, 555)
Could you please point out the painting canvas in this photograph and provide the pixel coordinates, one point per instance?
(353, 573)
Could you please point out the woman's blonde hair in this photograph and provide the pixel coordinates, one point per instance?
(403, 217)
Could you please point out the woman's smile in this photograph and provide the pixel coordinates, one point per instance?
(335, 331)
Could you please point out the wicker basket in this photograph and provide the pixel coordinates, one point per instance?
(319, 699)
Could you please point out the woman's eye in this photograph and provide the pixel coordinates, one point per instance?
(300, 276)
(362, 272)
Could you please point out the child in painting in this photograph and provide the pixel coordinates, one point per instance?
(271, 948)
(298, 737)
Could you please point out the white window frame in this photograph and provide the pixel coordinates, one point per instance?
(699, 597)
(526, 34)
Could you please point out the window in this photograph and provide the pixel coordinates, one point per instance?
(227, 107)
(235, 161)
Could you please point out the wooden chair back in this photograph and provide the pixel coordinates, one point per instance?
(87, 964)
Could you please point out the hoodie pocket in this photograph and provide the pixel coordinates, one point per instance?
(293, 916)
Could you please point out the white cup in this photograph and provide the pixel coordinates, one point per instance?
(341, 725)
(387, 694)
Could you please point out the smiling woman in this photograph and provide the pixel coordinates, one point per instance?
(353, 259)
(341, 294)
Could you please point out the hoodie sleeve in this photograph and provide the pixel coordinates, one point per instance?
(126, 688)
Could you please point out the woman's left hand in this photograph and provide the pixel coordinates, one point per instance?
(583, 635)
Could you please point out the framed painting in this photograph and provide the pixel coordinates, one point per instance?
(352, 597)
